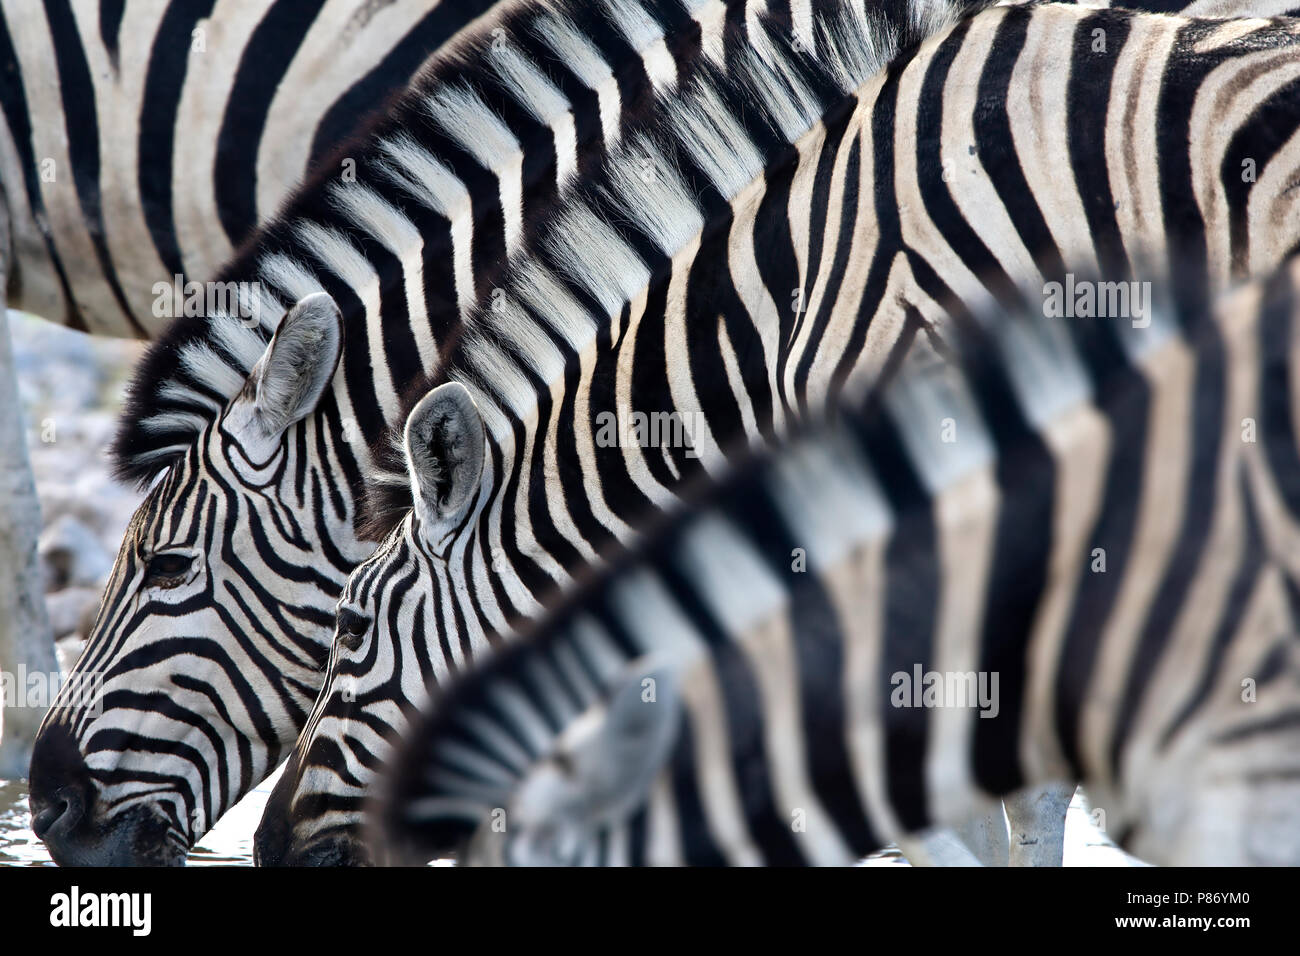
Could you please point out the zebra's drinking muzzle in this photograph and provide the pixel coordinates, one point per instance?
(68, 816)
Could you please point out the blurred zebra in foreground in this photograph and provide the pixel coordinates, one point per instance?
(1084, 529)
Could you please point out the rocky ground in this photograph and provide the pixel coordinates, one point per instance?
(72, 386)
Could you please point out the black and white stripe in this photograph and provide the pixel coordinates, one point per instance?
(143, 141)
(774, 734)
(229, 574)
(232, 568)
(883, 206)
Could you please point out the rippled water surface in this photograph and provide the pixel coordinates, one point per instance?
(231, 841)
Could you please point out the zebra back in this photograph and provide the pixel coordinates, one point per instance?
(144, 143)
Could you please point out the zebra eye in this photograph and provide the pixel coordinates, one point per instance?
(167, 570)
(351, 627)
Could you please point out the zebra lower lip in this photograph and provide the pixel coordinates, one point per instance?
(139, 841)
(327, 852)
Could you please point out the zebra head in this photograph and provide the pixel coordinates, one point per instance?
(384, 656)
(213, 632)
(596, 773)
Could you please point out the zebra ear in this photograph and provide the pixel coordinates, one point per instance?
(444, 453)
(296, 368)
(615, 767)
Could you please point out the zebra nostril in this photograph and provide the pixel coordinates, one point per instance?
(42, 822)
(61, 793)
(61, 815)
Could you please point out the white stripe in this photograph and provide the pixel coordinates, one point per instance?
(547, 104)
(468, 121)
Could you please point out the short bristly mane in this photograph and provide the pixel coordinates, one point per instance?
(778, 80)
(201, 362)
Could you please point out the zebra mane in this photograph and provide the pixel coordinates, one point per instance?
(783, 77)
(388, 495)
(202, 361)
(800, 65)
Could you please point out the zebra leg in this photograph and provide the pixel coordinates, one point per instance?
(1036, 818)
(980, 841)
(986, 835)
(1027, 829)
(937, 847)
(26, 645)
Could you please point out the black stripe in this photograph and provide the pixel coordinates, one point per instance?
(1209, 400)
(818, 643)
(1231, 618)
(13, 100)
(81, 123)
(713, 309)
(1183, 223)
(340, 123)
(569, 475)
(160, 101)
(778, 265)
(745, 722)
(997, 149)
(1091, 74)
(842, 244)
(110, 25)
(624, 496)
(262, 66)
(697, 844)
(1026, 478)
(584, 103)
(936, 194)
(908, 619)
(1277, 387)
(888, 226)
(1123, 396)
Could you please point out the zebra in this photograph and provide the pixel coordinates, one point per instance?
(380, 269)
(746, 686)
(124, 142)
(672, 271)
(140, 145)
(214, 630)
(145, 142)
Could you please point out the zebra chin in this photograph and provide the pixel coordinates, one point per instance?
(69, 818)
(304, 827)
(274, 844)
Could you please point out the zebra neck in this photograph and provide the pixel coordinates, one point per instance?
(322, 478)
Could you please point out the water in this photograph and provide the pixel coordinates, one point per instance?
(230, 843)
